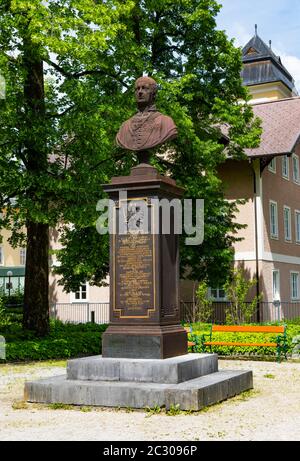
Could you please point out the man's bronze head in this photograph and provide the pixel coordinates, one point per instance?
(145, 91)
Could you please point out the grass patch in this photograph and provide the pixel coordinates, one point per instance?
(59, 406)
(86, 409)
(129, 410)
(156, 410)
(246, 395)
(19, 405)
(269, 376)
(174, 410)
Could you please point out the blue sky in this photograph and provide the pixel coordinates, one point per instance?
(277, 20)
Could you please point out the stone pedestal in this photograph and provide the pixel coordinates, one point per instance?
(144, 272)
(151, 342)
(191, 381)
(145, 361)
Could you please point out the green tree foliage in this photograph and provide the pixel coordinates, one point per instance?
(201, 309)
(69, 67)
(238, 288)
(204, 308)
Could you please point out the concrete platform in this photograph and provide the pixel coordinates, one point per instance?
(190, 395)
(169, 371)
(192, 381)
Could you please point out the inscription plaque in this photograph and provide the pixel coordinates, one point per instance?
(133, 260)
(134, 269)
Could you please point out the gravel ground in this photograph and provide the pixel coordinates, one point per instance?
(270, 412)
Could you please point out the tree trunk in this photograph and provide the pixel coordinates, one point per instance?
(36, 301)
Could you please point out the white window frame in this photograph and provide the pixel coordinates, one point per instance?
(272, 165)
(286, 163)
(80, 301)
(276, 293)
(217, 298)
(297, 230)
(294, 298)
(273, 235)
(22, 256)
(1, 256)
(296, 179)
(287, 237)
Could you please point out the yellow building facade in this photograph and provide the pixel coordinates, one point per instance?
(12, 264)
(264, 73)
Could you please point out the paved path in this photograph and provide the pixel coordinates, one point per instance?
(270, 412)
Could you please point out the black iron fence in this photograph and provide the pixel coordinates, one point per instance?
(80, 312)
(191, 312)
(268, 312)
(11, 284)
(99, 312)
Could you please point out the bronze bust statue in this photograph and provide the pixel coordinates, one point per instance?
(148, 128)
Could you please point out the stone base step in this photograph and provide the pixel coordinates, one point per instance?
(189, 395)
(168, 371)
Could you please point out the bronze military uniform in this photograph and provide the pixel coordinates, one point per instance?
(148, 128)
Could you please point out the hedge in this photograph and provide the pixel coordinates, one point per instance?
(64, 341)
(77, 345)
(70, 340)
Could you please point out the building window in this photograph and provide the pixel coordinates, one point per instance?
(295, 285)
(218, 294)
(273, 220)
(287, 223)
(272, 165)
(285, 167)
(1, 256)
(22, 256)
(276, 285)
(81, 294)
(297, 223)
(296, 176)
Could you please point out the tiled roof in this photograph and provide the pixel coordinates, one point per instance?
(261, 65)
(281, 127)
(259, 48)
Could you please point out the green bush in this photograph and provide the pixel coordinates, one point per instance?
(5, 319)
(79, 344)
(237, 288)
(57, 326)
(293, 322)
(64, 341)
(16, 297)
(9, 316)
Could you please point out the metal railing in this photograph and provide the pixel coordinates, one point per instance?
(80, 312)
(99, 312)
(268, 312)
(17, 283)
